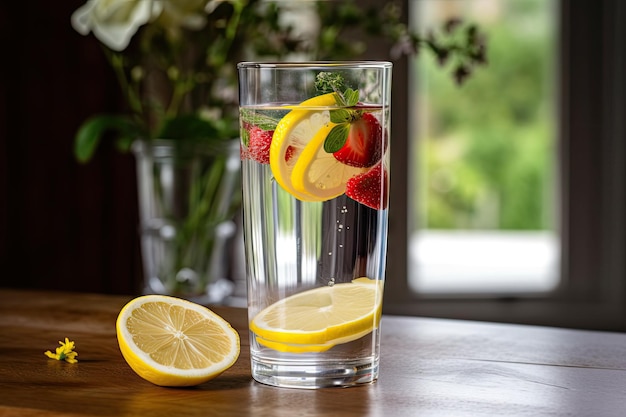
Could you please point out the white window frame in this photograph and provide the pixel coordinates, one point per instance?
(592, 95)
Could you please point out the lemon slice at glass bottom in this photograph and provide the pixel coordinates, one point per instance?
(312, 348)
(322, 316)
(173, 342)
(292, 134)
(294, 347)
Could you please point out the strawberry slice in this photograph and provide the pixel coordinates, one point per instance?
(370, 188)
(363, 147)
(259, 144)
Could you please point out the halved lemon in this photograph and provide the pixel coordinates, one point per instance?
(322, 316)
(318, 173)
(172, 342)
(291, 136)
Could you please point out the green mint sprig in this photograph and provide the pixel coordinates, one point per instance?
(333, 82)
(329, 82)
(263, 121)
(342, 117)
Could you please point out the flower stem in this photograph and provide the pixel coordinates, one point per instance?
(132, 96)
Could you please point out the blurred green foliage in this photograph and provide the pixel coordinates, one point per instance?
(487, 149)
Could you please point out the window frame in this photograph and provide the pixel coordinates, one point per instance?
(591, 150)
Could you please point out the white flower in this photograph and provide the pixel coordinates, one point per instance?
(114, 22)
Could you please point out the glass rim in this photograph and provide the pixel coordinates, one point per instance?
(313, 64)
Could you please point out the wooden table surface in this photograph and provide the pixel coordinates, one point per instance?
(429, 367)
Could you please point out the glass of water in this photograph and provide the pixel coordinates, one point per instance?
(315, 165)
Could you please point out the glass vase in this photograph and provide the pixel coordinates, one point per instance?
(189, 193)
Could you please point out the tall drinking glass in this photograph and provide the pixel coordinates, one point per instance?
(315, 160)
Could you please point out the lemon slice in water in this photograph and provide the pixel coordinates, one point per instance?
(291, 136)
(318, 173)
(322, 316)
(301, 348)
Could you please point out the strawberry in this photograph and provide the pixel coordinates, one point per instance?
(289, 153)
(243, 152)
(363, 147)
(370, 188)
(259, 144)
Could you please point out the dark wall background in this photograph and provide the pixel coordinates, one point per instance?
(63, 225)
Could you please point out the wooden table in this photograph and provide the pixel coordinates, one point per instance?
(429, 367)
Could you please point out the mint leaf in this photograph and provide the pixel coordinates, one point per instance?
(351, 97)
(245, 137)
(337, 138)
(340, 116)
(264, 122)
(339, 100)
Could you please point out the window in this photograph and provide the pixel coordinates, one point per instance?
(580, 245)
(484, 214)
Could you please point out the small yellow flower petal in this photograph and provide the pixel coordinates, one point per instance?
(65, 352)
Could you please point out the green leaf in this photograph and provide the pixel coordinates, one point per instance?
(93, 129)
(340, 116)
(337, 138)
(189, 127)
(262, 121)
(340, 100)
(245, 136)
(124, 142)
(351, 97)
